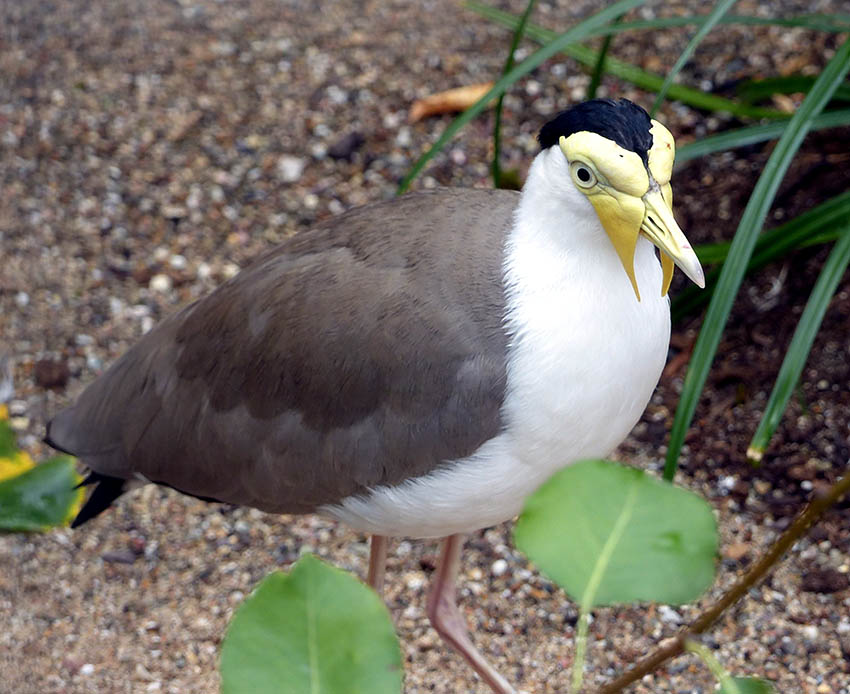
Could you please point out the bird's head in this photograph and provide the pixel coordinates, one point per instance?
(622, 161)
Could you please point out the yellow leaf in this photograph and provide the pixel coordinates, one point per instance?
(15, 464)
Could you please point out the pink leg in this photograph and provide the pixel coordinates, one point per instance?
(448, 621)
(377, 562)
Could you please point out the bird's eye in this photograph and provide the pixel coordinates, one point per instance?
(583, 175)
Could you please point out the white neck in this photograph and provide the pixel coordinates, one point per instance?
(575, 324)
(554, 220)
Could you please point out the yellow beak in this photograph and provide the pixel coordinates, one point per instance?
(660, 227)
(625, 216)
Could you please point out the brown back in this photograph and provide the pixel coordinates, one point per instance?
(365, 351)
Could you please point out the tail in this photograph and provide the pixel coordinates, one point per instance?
(107, 488)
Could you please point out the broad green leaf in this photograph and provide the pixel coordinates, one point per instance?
(821, 224)
(801, 343)
(40, 498)
(742, 247)
(626, 71)
(315, 630)
(746, 685)
(557, 43)
(710, 21)
(608, 534)
(753, 134)
(497, 119)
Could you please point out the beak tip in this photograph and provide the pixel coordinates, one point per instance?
(699, 278)
(692, 268)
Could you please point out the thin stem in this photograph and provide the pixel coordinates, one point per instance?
(713, 664)
(588, 599)
(805, 520)
(581, 651)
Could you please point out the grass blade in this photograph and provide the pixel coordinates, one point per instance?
(720, 9)
(497, 121)
(753, 91)
(576, 33)
(743, 244)
(753, 134)
(631, 73)
(830, 23)
(801, 343)
(821, 224)
(599, 68)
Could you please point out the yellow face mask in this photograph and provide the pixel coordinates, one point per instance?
(631, 200)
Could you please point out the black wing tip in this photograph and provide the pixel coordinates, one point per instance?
(107, 490)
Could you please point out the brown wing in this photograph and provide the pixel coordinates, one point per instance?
(360, 353)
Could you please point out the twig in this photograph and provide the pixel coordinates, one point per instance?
(815, 509)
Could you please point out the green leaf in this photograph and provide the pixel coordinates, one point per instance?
(710, 21)
(753, 134)
(746, 685)
(497, 119)
(830, 23)
(628, 72)
(821, 224)
(315, 630)
(598, 71)
(801, 343)
(8, 442)
(742, 247)
(608, 534)
(40, 498)
(558, 42)
(728, 684)
(753, 91)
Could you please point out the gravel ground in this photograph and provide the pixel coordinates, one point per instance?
(150, 149)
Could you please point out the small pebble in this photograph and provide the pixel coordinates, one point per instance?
(178, 262)
(810, 631)
(289, 168)
(669, 615)
(414, 581)
(160, 283)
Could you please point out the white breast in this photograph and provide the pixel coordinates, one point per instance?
(584, 358)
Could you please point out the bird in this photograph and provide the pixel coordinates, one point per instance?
(414, 367)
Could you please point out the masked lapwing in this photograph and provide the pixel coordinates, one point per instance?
(414, 367)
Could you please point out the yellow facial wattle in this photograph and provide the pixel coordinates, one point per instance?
(631, 198)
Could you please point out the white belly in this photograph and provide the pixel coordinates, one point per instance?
(582, 366)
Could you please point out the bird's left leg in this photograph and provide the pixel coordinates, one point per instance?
(377, 562)
(448, 621)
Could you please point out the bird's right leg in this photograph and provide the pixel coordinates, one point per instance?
(377, 562)
(448, 621)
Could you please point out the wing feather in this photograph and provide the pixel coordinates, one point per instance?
(360, 353)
